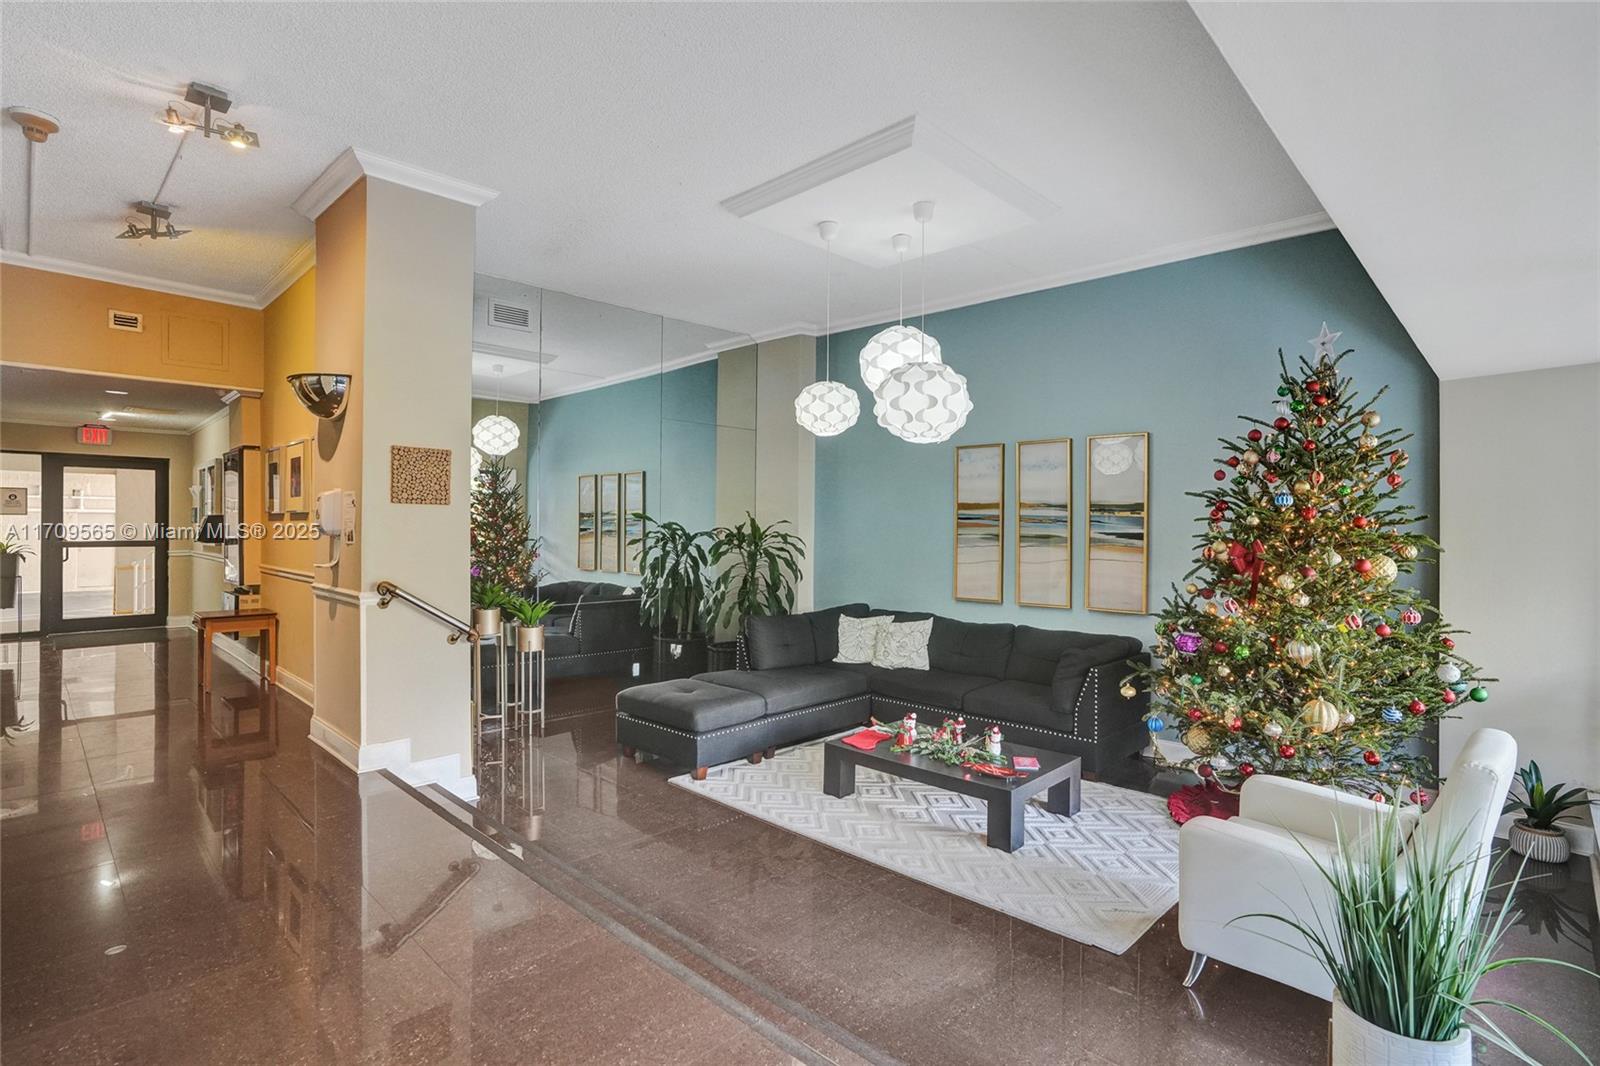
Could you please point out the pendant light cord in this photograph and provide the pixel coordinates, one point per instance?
(922, 281)
(827, 303)
(902, 288)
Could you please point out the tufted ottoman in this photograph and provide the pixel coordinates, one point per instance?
(691, 722)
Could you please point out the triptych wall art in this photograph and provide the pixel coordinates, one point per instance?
(608, 534)
(1116, 571)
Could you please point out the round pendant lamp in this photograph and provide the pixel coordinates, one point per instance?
(827, 408)
(496, 434)
(899, 344)
(924, 401)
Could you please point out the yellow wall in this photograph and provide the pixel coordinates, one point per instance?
(208, 443)
(289, 348)
(182, 563)
(57, 320)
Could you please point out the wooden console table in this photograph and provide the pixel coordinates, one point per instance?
(262, 623)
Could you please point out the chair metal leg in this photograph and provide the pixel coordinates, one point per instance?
(1196, 964)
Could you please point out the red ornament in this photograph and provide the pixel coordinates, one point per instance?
(1361, 521)
(1220, 647)
(1410, 616)
(1206, 770)
(1319, 421)
(1254, 435)
(1396, 457)
(1372, 757)
(1270, 478)
(1206, 594)
(1195, 714)
(1233, 460)
(1220, 475)
(1216, 514)
(1395, 481)
(1419, 797)
(1447, 642)
(1235, 724)
(1246, 769)
(1286, 750)
(1309, 445)
(1313, 385)
(1308, 572)
(1379, 797)
(1418, 708)
(1448, 697)
(1222, 505)
(1316, 477)
(1320, 401)
(1280, 424)
(1363, 566)
(1382, 629)
(1353, 620)
(1308, 513)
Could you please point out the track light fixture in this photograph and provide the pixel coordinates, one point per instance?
(212, 102)
(160, 216)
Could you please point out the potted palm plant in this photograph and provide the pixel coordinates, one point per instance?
(672, 582)
(11, 556)
(760, 566)
(1406, 941)
(488, 599)
(528, 614)
(1536, 833)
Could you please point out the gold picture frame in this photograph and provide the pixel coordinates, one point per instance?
(1041, 523)
(610, 522)
(633, 504)
(588, 540)
(1116, 571)
(979, 556)
(273, 481)
(295, 486)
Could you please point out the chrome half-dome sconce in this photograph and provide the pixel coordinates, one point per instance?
(324, 395)
(827, 408)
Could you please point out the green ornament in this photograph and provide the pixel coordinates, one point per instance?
(1283, 390)
(1240, 479)
(1196, 679)
(1478, 694)
(1344, 490)
(1241, 651)
(1298, 407)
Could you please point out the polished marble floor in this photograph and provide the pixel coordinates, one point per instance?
(191, 881)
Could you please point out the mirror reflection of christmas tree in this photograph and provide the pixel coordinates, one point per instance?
(504, 552)
(1296, 648)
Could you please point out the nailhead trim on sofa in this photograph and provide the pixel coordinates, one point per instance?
(752, 724)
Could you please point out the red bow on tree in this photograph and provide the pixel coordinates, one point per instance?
(1248, 560)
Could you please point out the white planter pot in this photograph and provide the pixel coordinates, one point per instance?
(1357, 1042)
(1541, 845)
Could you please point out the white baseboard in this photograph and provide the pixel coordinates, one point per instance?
(250, 662)
(395, 756)
(180, 621)
(335, 743)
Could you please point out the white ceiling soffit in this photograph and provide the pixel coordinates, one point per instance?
(617, 130)
(868, 188)
(44, 396)
(1457, 147)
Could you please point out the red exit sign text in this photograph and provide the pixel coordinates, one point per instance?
(94, 433)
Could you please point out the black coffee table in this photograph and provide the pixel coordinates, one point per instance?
(1059, 777)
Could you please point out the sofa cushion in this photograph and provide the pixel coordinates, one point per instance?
(974, 648)
(792, 687)
(562, 591)
(858, 637)
(1035, 653)
(691, 704)
(1078, 658)
(903, 645)
(932, 688)
(779, 641)
(825, 628)
(1017, 701)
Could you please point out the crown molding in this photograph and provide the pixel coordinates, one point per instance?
(293, 269)
(853, 156)
(665, 367)
(352, 164)
(122, 277)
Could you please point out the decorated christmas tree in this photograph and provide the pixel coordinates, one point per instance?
(1293, 649)
(503, 552)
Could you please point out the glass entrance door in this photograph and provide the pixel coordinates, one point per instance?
(103, 558)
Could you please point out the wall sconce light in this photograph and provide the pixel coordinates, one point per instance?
(323, 395)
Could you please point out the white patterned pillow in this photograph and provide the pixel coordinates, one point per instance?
(904, 645)
(858, 637)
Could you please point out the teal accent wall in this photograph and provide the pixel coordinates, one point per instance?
(662, 424)
(1177, 351)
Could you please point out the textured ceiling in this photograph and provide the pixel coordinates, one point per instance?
(613, 132)
(55, 397)
(1458, 147)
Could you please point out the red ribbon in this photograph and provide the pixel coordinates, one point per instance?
(1251, 560)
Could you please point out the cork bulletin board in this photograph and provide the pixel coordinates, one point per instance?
(419, 475)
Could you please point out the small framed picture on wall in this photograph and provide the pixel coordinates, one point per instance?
(296, 477)
(1042, 522)
(979, 542)
(1117, 570)
(610, 522)
(632, 520)
(588, 541)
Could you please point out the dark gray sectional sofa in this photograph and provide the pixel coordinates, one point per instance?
(593, 629)
(1046, 688)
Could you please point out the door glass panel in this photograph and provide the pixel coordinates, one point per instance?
(21, 481)
(98, 503)
(108, 582)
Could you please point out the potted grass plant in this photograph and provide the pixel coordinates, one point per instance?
(673, 563)
(1536, 834)
(759, 568)
(11, 555)
(489, 599)
(1406, 941)
(528, 614)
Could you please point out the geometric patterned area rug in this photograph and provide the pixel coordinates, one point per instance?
(1102, 877)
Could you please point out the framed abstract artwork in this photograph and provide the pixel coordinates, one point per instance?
(632, 525)
(1117, 569)
(588, 541)
(296, 477)
(610, 522)
(1042, 520)
(275, 480)
(980, 547)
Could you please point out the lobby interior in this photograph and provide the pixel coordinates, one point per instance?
(577, 246)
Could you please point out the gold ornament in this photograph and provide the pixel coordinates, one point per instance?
(1191, 588)
(1197, 740)
(1408, 552)
(1300, 599)
(1367, 442)
(1251, 456)
(1224, 671)
(1333, 558)
(1128, 691)
(1301, 651)
(1320, 715)
(1251, 520)
(1219, 549)
(1384, 569)
(1284, 581)
(1302, 488)
(1370, 418)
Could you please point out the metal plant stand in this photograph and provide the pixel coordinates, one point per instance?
(529, 661)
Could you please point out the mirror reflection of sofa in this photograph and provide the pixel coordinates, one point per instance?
(594, 629)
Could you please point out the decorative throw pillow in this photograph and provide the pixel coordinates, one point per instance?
(858, 637)
(904, 645)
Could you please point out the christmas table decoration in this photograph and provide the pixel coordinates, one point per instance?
(945, 743)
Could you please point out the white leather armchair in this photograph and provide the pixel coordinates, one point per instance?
(1265, 861)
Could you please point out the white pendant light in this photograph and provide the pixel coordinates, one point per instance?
(899, 344)
(923, 402)
(827, 408)
(496, 434)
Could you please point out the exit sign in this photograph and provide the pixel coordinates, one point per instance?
(94, 433)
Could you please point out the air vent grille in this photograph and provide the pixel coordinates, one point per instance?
(510, 316)
(127, 321)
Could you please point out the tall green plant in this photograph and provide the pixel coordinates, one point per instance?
(1408, 939)
(760, 565)
(673, 562)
